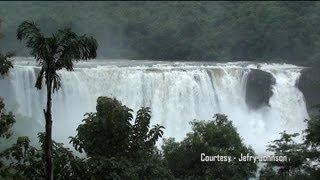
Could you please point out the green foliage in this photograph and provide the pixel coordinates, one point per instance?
(312, 133)
(296, 158)
(217, 137)
(112, 168)
(117, 138)
(6, 121)
(5, 64)
(24, 161)
(117, 149)
(268, 173)
(142, 138)
(312, 141)
(303, 157)
(112, 123)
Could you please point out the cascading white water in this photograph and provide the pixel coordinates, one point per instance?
(176, 92)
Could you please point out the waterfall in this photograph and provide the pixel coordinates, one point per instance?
(176, 92)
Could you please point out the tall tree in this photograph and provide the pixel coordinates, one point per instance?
(54, 53)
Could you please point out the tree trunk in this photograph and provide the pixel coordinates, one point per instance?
(48, 135)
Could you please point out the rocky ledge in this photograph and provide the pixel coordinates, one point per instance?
(309, 85)
(259, 88)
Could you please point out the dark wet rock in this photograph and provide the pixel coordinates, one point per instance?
(259, 88)
(309, 85)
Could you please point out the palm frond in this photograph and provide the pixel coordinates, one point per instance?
(154, 134)
(29, 31)
(56, 82)
(74, 48)
(87, 47)
(38, 84)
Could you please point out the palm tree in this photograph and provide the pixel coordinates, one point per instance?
(54, 53)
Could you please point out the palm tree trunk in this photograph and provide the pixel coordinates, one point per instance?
(48, 137)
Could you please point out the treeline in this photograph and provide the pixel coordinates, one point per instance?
(215, 31)
(120, 147)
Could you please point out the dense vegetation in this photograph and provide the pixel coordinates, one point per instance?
(215, 137)
(219, 31)
(117, 147)
(114, 149)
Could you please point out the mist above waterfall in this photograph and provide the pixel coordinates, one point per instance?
(176, 92)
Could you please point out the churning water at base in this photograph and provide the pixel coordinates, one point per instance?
(176, 92)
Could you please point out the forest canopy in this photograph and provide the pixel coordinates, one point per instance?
(213, 31)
